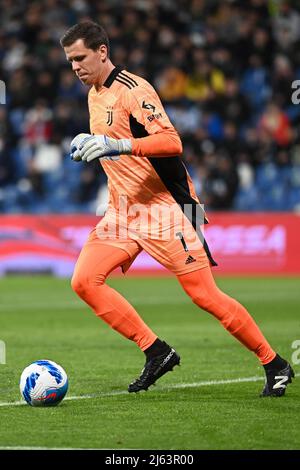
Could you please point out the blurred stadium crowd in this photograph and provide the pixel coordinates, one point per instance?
(223, 69)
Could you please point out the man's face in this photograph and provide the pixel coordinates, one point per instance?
(86, 63)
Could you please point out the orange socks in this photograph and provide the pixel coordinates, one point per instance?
(96, 262)
(88, 282)
(201, 287)
(118, 314)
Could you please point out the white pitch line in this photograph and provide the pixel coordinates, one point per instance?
(161, 388)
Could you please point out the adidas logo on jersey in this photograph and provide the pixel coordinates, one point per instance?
(189, 260)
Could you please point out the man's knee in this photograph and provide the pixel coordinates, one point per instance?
(221, 306)
(81, 282)
(203, 300)
(199, 297)
(78, 284)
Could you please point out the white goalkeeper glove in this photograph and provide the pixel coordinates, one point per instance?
(87, 147)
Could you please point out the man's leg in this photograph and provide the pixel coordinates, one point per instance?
(202, 289)
(95, 262)
(184, 252)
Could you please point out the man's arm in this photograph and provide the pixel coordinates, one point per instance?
(144, 105)
(163, 144)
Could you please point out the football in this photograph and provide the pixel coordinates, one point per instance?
(43, 383)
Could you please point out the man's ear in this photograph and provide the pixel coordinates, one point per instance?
(103, 52)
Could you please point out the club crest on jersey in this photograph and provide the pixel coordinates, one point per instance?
(109, 120)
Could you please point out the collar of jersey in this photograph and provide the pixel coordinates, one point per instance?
(111, 77)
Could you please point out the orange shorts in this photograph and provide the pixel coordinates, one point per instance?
(177, 247)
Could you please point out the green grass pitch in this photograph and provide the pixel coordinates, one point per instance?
(201, 405)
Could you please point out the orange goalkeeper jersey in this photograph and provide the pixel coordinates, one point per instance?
(127, 106)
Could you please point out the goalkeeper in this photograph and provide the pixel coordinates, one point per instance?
(139, 150)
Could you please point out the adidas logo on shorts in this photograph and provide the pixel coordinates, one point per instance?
(189, 260)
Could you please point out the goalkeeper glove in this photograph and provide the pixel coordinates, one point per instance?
(87, 147)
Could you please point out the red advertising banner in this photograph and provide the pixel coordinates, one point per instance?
(255, 243)
(240, 243)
